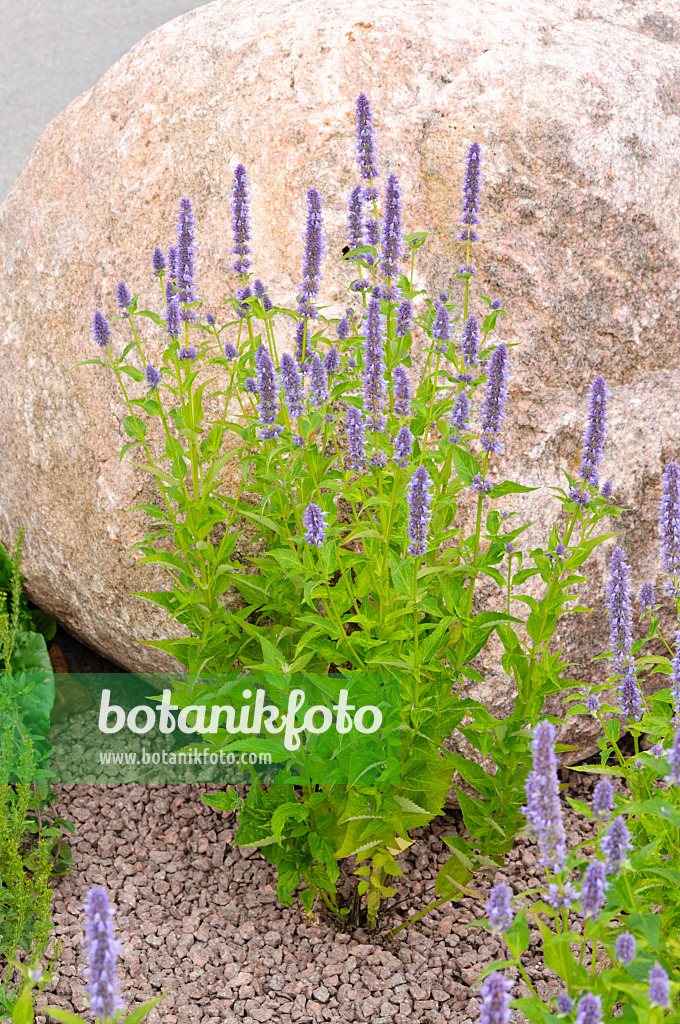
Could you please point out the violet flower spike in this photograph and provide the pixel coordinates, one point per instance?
(267, 386)
(459, 417)
(240, 221)
(646, 598)
(419, 512)
(210, 319)
(123, 297)
(172, 263)
(471, 190)
(596, 432)
(593, 889)
(592, 703)
(543, 810)
(173, 322)
(314, 521)
(495, 1008)
(561, 900)
(230, 351)
(355, 438)
(318, 383)
(403, 447)
(602, 802)
(158, 261)
(659, 991)
(606, 489)
(625, 947)
(101, 331)
(675, 675)
(493, 406)
(391, 228)
(615, 845)
(630, 695)
(187, 352)
(470, 341)
(618, 604)
(564, 1004)
(673, 779)
(343, 329)
(375, 389)
(669, 521)
(331, 361)
(498, 910)
(355, 225)
(102, 951)
(366, 146)
(185, 254)
(152, 377)
(589, 1009)
(402, 391)
(441, 326)
(404, 319)
(313, 254)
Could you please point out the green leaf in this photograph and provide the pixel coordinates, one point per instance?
(22, 1011)
(649, 925)
(62, 1015)
(508, 487)
(517, 938)
(466, 465)
(140, 1013)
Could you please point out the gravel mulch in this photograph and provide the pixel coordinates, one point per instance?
(200, 920)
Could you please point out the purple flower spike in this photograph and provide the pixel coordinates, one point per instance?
(355, 438)
(496, 304)
(471, 189)
(478, 483)
(561, 899)
(419, 512)
(470, 341)
(331, 361)
(659, 991)
(498, 909)
(402, 391)
(365, 138)
(230, 351)
(372, 229)
(152, 377)
(259, 290)
(606, 489)
(441, 326)
(101, 330)
(495, 1008)
(173, 320)
(318, 382)
(250, 384)
(404, 319)
(158, 261)
(240, 220)
(267, 387)
(564, 1004)
(403, 447)
(123, 297)
(619, 606)
(630, 696)
(102, 952)
(493, 406)
(615, 845)
(625, 947)
(391, 228)
(185, 252)
(467, 268)
(592, 889)
(314, 522)
(589, 1009)
(343, 329)
(594, 437)
(669, 521)
(673, 779)
(291, 381)
(313, 255)
(172, 262)
(459, 416)
(592, 703)
(210, 319)
(646, 598)
(375, 388)
(355, 230)
(603, 798)
(188, 352)
(543, 810)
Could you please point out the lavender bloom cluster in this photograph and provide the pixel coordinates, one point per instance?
(596, 432)
(366, 145)
(185, 257)
(267, 387)
(375, 388)
(419, 512)
(102, 951)
(240, 221)
(669, 523)
(543, 810)
(493, 406)
(391, 230)
(472, 182)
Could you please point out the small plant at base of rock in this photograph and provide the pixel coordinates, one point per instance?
(352, 468)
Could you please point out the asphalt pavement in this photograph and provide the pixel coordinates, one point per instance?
(53, 50)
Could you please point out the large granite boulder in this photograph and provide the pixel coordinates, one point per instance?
(577, 108)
